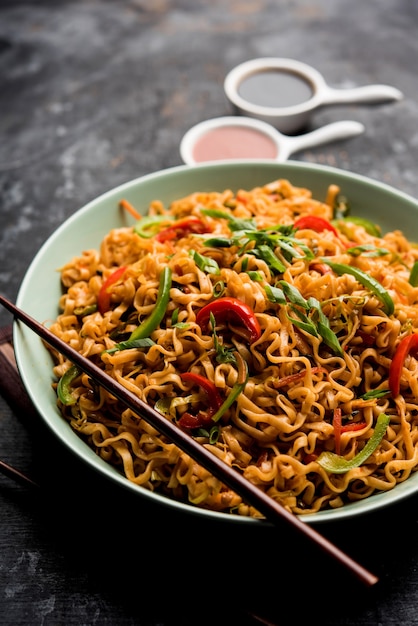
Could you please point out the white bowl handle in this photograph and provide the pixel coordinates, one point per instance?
(325, 134)
(371, 94)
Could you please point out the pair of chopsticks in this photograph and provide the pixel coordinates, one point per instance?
(252, 494)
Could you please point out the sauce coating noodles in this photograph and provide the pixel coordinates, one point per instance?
(315, 377)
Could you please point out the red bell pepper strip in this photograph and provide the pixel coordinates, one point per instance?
(336, 422)
(321, 268)
(103, 299)
(203, 418)
(408, 345)
(339, 428)
(294, 378)
(181, 228)
(207, 385)
(230, 310)
(367, 339)
(313, 222)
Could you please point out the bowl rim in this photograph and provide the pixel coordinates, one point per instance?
(21, 336)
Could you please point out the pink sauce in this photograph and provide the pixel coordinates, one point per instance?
(234, 142)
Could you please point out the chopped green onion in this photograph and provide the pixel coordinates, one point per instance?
(204, 263)
(218, 289)
(268, 256)
(375, 393)
(294, 295)
(229, 401)
(144, 342)
(368, 250)
(256, 276)
(304, 323)
(218, 242)
(321, 327)
(234, 223)
(324, 330)
(274, 294)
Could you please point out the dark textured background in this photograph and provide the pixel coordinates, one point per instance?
(93, 94)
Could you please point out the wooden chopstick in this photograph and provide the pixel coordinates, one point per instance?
(252, 494)
(17, 475)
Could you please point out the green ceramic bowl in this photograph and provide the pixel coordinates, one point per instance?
(40, 289)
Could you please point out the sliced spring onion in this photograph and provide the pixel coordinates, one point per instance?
(368, 250)
(374, 394)
(144, 342)
(218, 242)
(234, 223)
(324, 330)
(265, 253)
(274, 294)
(218, 289)
(303, 322)
(205, 263)
(294, 296)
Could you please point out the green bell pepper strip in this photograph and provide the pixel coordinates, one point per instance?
(82, 311)
(149, 225)
(367, 281)
(232, 396)
(145, 329)
(64, 386)
(413, 276)
(336, 464)
(236, 389)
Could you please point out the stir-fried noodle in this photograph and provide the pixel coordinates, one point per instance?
(268, 325)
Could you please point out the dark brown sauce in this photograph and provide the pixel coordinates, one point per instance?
(275, 88)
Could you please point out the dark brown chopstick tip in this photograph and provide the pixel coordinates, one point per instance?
(17, 475)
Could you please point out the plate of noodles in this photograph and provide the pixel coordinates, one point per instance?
(269, 310)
